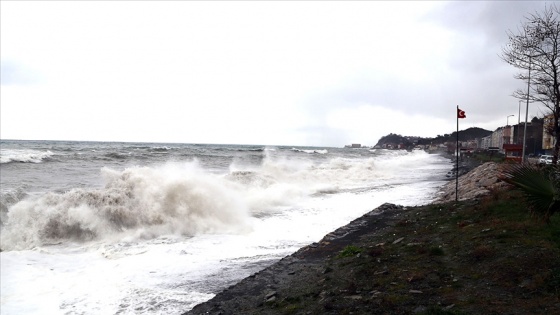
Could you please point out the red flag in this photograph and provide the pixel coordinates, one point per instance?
(461, 113)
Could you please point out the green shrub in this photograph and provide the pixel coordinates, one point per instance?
(540, 185)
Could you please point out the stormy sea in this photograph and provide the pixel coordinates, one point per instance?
(156, 228)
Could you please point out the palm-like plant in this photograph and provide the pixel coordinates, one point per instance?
(540, 185)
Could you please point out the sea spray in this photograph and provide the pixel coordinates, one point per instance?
(184, 198)
(168, 199)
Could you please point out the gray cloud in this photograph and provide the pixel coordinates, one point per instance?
(315, 80)
(479, 78)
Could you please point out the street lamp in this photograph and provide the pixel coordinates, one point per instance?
(507, 120)
(527, 109)
(519, 115)
(519, 121)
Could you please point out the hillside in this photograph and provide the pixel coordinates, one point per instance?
(395, 140)
(464, 135)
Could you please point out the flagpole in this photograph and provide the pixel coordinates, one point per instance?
(457, 160)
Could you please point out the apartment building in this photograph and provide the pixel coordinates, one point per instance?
(536, 142)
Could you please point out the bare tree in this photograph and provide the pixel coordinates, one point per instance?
(534, 49)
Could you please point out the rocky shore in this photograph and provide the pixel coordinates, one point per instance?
(307, 264)
(443, 258)
(475, 182)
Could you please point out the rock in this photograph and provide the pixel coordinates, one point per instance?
(270, 295)
(353, 297)
(488, 182)
(398, 240)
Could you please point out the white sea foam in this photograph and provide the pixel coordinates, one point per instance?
(311, 151)
(23, 156)
(141, 201)
(280, 181)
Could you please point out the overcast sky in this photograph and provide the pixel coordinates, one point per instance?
(317, 73)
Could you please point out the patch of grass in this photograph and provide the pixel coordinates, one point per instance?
(349, 251)
(505, 204)
(508, 212)
(435, 208)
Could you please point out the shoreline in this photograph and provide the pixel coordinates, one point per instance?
(271, 283)
(481, 255)
(264, 286)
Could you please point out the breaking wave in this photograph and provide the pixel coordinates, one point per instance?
(186, 199)
(24, 156)
(323, 151)
(140, 202)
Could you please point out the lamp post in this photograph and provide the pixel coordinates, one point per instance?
(526, 110)
(519, 122)
(507, 119)
(519, 114)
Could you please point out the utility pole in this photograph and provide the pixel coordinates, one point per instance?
(526, 112)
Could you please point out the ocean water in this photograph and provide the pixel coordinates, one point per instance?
(151, 228)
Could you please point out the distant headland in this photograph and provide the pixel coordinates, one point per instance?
(395, 141)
